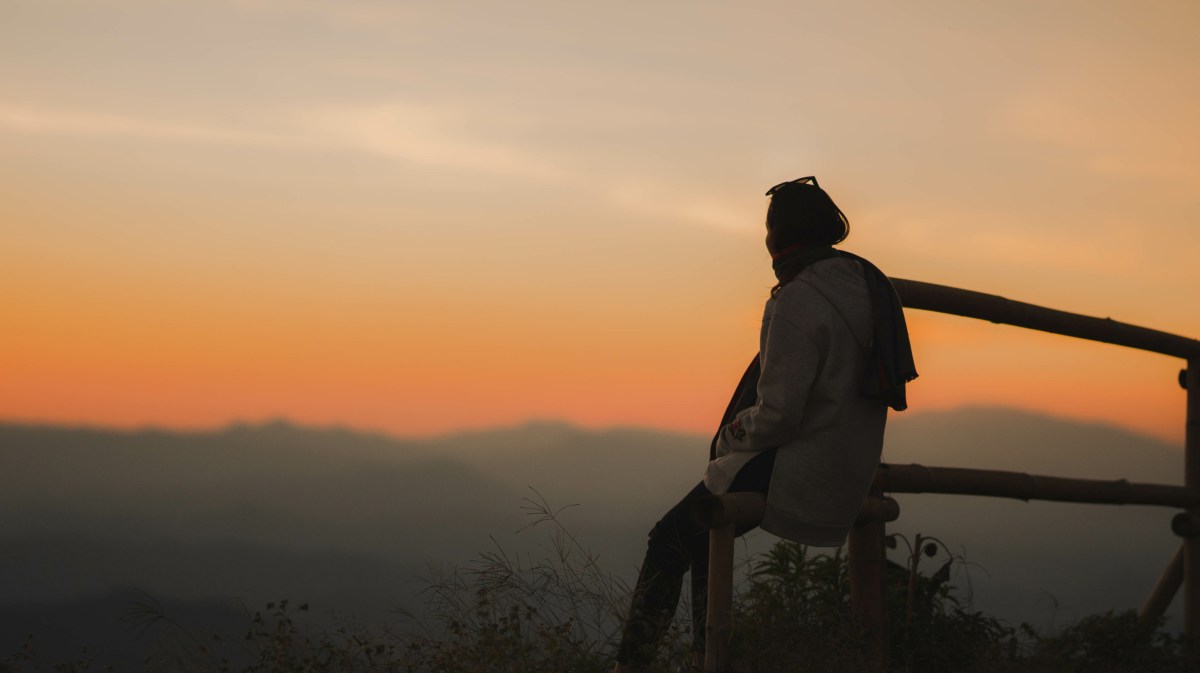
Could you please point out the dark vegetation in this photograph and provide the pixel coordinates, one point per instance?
(559, 611)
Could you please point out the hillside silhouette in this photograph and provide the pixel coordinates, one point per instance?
(350, 521)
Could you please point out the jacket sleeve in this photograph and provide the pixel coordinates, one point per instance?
(790, 362)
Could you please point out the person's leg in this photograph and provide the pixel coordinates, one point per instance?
(754, 477)
(676, 544)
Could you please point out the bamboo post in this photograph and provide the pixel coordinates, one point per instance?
(719, 627)
(723, 514)
(1168, 583)
(1191, 472)
(867, 559)
(1003, 484)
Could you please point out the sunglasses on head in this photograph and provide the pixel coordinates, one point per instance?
(810, 180)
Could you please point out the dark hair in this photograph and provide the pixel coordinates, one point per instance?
(802, 213)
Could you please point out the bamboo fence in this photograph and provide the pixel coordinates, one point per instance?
(866, 544)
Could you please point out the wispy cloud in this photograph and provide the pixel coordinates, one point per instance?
(421, 135)
(31, 119)
(353, 13)
(451, 137)
(662, 200)
(429, 135)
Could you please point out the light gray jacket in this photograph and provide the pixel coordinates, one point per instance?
(816, 335)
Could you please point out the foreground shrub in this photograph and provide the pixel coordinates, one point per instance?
(795, 616)
(1115, 642)
(557, 612)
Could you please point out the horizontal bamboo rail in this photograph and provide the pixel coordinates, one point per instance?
(1022, 486)
(993, 308)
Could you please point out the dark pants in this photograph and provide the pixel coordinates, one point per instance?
(678, 543)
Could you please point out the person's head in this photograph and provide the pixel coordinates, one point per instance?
(801, 213)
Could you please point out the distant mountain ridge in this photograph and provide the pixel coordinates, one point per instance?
(1011, 432)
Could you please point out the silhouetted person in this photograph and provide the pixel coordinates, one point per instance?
(805, 424)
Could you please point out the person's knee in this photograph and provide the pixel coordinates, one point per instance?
(670, 545)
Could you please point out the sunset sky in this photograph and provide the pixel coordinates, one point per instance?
(419, 217)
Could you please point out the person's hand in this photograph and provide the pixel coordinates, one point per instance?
(730, 433)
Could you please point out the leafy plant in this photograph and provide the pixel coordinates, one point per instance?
(1113, 642)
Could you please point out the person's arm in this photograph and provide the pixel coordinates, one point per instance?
(790, 361)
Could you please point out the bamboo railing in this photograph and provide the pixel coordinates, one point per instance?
(866, 544)
(1183, 568)
(996, 309)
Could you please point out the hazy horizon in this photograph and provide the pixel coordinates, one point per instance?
(535, 422)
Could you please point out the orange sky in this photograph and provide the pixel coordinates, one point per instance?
(421, 217)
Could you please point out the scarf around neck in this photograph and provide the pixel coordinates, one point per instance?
(790, 261)
(890, 361)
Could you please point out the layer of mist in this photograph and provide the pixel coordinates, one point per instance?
(215, 523)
